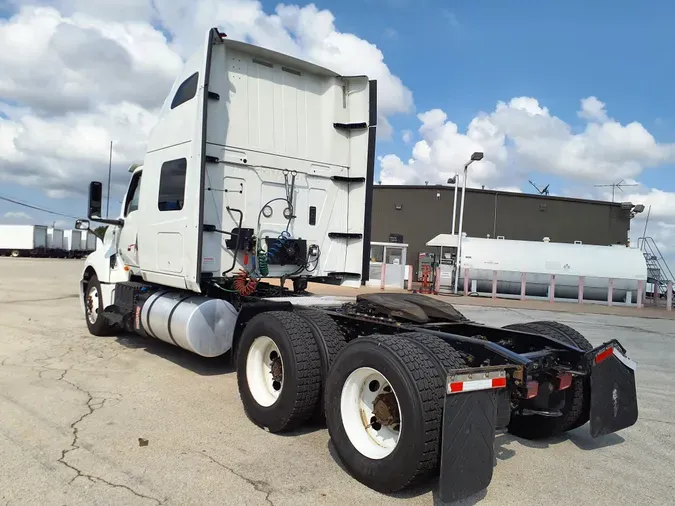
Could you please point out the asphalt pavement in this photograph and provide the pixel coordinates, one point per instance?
(128, 420)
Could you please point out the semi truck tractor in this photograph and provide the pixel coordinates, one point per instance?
(258, 180)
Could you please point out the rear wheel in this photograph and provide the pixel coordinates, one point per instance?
(15, 253)
(576, 408)
(93, 308)
(329, 340)
(384, 411)
(445, 356)
(278, 370)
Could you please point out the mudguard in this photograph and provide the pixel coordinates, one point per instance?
(467, 453)
(613, 392)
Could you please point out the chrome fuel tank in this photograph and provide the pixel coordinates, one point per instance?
(202, 325)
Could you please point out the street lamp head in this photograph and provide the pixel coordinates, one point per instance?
(477, 156)
(451, 180)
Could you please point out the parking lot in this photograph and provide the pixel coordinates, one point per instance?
(77, 410)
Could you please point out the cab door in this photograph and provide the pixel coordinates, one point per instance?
(127, 246)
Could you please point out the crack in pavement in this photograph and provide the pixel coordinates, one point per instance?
(74, 445)
(260, 486)
(18, 301)
(655, 420)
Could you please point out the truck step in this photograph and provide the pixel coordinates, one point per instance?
(344, 235)
(350, 126)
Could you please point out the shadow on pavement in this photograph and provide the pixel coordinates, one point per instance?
(199, 365)
(580, 437)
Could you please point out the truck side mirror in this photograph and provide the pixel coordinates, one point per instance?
(82, 224)
(95, 199)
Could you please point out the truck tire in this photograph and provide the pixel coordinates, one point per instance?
(442, 353)
(278, 370)
(15, 253)
(329, 340)
(392, 384)
(576, 410)
(93, 308)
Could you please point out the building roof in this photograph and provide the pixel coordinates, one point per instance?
(495, 192)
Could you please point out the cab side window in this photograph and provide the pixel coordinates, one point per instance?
(172, 185)
(186, 91)
(133, 195)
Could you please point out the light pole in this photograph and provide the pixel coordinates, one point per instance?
(454, 180)
(477, 156)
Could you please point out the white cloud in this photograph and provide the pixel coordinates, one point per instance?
(593, 110)
(55, 64)
(523, 136)
(406, 136)
(61, 154)
(78, 74)
(17, 215)
(443, 151)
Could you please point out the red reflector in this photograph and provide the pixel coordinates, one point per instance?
(245, 258)
(564, 381)
(498, 382)
(532, 389)
(603, 355)
(457, 386)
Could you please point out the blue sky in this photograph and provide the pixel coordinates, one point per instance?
(463, 57)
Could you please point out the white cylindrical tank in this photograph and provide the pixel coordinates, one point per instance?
(598, 264)
(202, 325)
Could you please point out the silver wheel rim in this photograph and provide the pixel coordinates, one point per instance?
(92, 304)
(370, 413)
(264, 371)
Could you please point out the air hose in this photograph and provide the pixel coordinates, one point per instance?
(263, 268)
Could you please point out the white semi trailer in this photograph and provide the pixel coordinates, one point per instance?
(23, 240)
(261, 166)
(72, 243)
(55, 242)
(88, 242)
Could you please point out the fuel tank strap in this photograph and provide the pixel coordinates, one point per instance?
(156, 296)
(173, 309)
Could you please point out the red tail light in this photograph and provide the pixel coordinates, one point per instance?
(564, 381)
(603, 355)
(532, 389)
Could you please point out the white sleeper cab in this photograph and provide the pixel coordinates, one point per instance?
(258, 180)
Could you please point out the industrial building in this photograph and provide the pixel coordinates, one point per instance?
(415, 214)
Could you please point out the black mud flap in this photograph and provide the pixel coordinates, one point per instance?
(613, 393)
(467, 456)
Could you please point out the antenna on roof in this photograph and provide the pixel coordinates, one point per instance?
(543, 191)
(615, 186)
